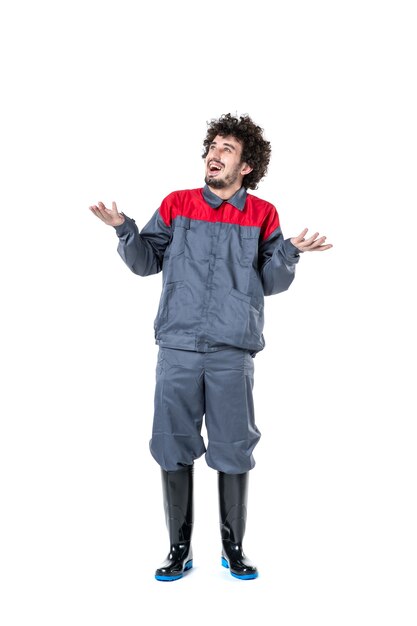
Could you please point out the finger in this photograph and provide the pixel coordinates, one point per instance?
(317, 242)
(94, 209)
(301, 236)
(317, 245)
(321, 248)
(306, 246)
(311, 239)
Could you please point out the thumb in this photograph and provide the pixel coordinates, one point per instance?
(114, 206)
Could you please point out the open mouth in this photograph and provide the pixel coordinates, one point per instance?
(214, 168)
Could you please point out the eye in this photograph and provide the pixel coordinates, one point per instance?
(228, 149)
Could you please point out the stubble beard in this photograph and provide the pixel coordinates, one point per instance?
(222, 183)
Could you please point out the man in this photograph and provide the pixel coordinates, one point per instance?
(221, 250)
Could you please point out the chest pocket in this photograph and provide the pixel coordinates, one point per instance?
(249, 238)
(181, 226)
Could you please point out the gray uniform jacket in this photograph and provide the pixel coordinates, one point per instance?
(218, 261)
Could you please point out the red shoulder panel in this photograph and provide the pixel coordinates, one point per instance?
(190, 203)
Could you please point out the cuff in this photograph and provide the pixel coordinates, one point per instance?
(291, 252)
(127, 226)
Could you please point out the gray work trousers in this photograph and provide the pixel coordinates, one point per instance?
(217, 385)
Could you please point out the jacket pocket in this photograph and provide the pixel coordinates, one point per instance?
(243, 322)
(249, 239)
(240, 296)
(166, 295)
(176, 310)
(181, 226)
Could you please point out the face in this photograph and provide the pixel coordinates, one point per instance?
(224, 168)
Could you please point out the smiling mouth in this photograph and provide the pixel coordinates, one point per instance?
(214, 168)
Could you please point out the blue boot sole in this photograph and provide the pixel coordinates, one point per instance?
(187, 566)
(243, 576)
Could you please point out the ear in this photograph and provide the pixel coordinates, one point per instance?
(246, 169)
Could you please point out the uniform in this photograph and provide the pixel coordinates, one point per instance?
(218, 261)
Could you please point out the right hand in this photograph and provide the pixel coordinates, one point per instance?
(109, 216)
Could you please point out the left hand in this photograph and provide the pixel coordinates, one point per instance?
(312, 244)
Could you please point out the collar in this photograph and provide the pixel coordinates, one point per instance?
(238, 199)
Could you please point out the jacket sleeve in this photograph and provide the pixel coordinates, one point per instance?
(143, 252)
(277, 256)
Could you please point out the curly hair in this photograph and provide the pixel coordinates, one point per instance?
(256, 151)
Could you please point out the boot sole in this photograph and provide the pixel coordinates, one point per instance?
(187, 566)
(239, 576)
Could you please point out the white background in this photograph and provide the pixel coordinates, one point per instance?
(109, 101)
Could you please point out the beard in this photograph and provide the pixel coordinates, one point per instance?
(221, 183)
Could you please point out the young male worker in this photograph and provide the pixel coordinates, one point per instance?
(221, 250)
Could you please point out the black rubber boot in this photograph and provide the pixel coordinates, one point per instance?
(233, 496)
(177, 488)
